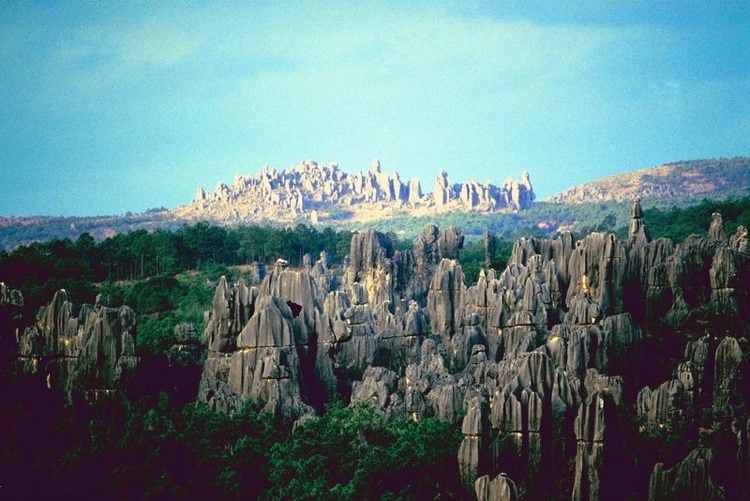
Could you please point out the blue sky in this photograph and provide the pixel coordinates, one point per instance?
(113, 107)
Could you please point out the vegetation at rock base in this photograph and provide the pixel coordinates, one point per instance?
(357, 452)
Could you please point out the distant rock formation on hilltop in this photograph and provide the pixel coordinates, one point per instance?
(310, 188)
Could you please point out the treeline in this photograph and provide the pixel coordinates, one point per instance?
(679, 223)
(41, 268)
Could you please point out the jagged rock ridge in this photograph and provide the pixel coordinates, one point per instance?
(310, 189)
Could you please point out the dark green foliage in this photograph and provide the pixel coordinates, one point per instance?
(678, 223)
(194, 452)
(356, 452)
(129, 449)
(163, 302)
(473, 258)
(41, 268)
(152, 295)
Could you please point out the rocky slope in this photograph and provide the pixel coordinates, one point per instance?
(713, 179)
(317, 192)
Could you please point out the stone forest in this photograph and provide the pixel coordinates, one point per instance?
(589, 368)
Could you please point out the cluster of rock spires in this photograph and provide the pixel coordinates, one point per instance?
(311, 187)
(88, 354)
(11, 302)
(539, 364)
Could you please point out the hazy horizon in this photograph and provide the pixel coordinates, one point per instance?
(116, 108)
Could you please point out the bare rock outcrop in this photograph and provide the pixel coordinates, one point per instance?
(500, 488)
(662, 406)
(266, 367)
(313, 188)
(689, 479)
(445, 301)
(377, 387)
(726, 392)
(637, 233)
(9, 296)
(594, 464)
(473, 454)
(524, 411)
(91, 354)
(429, 389)
(258, 342)
(597, 270)
(188, 348)
(372, 264)
(11, 303)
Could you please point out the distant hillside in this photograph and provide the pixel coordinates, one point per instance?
(696, 179)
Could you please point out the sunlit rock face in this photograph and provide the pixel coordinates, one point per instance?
(259, 343)
(311, 189)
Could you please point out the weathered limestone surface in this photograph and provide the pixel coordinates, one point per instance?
(91, 354)
(311, 187)
(11, 302)
(500, 488)
(689, 479)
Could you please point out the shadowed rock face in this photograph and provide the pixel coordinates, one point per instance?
(188, 347)
(11, 302)
(91, 354)
(689, 479)
(500, 488)
(473, 457)
(658, 408)
(10, 297)
(593, 460)
(726, 392)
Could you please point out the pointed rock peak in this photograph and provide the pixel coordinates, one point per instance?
(221, 296)
(716, 230)
(637, 232)
(281, 264)
(636, 212)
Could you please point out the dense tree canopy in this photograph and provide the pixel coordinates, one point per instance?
(41, 268)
